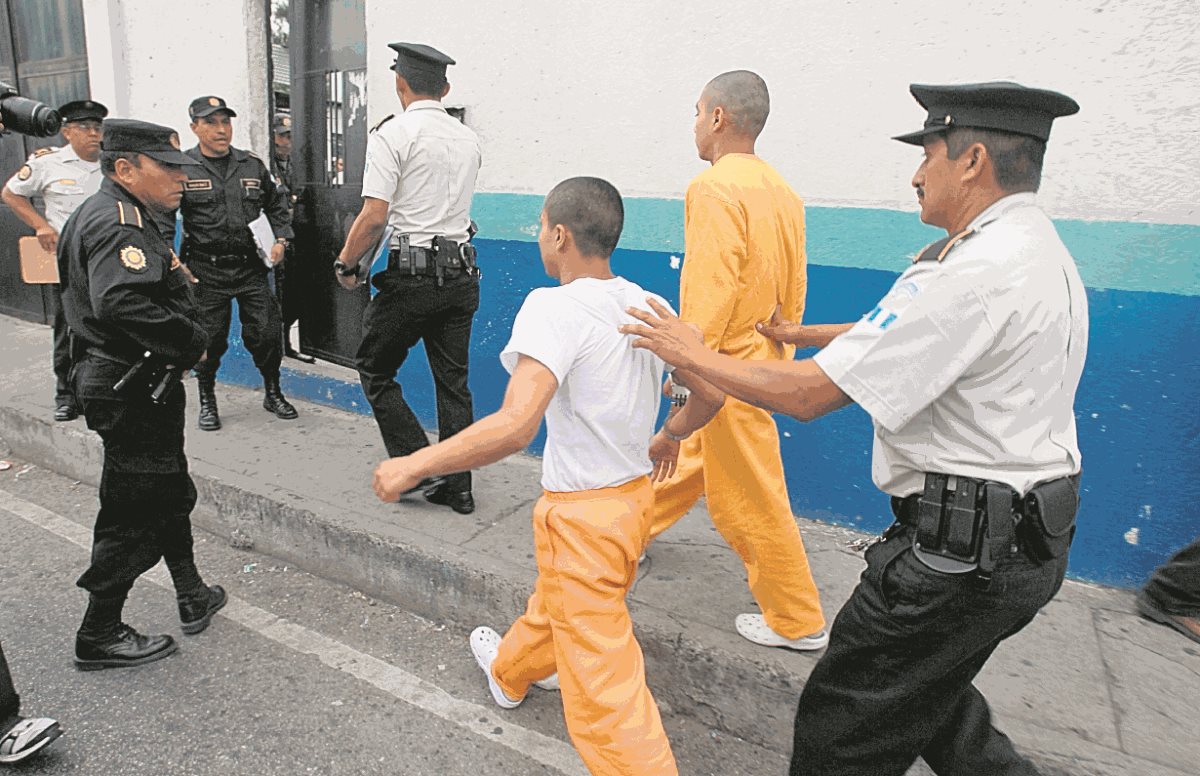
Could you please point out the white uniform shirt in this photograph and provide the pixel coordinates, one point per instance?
(601, 419)
(969, 366)
(61, 178)
(424, 162)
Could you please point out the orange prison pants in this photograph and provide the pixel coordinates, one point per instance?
(577, 623)
(734, 461)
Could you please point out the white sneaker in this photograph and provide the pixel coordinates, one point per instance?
(549, 683)
(755, 628)
(485, 643)
(642, 558)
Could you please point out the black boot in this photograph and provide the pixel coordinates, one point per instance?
(275, 402)
(103, 641)
(210, 420)
(196, 610)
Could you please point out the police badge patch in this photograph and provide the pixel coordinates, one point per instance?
(133, 258)
(24, 173)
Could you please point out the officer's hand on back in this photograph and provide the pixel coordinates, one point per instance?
(779, 329)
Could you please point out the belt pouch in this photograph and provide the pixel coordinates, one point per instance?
(999, 531)
(929, 512)
(1050, 509)
(964, 531)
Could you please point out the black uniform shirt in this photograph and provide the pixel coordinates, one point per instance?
(219, 206)
(123, 290)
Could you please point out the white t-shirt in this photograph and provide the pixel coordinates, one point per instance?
(602, 416)
(969, 366)
(424, 163)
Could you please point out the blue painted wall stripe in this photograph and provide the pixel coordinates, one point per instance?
(1136, 405)
(1121, 255)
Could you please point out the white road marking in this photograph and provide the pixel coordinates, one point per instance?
(409, 688)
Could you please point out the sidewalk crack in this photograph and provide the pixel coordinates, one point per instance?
(1110, 680)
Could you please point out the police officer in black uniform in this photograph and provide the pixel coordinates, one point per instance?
(129, 305)
(968, 368)
(288, 296)
(419, 179)
(228, 190)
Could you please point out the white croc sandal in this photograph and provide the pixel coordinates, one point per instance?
(549, 683)
(28, 737)
(755, 628)
(485, 643)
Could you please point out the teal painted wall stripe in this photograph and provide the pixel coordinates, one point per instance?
(1119, 255)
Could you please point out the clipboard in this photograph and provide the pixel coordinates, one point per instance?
(37, 265)
(375, 260)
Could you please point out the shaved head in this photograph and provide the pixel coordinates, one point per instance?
(591, 209)
(743, 96)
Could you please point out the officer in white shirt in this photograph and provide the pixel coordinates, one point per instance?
(420, 176)
(968, 368)
(63, 177)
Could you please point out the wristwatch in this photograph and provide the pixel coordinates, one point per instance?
(344, 269)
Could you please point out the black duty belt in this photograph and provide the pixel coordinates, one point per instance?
(444, 259)
(220, 259)
(962, 524)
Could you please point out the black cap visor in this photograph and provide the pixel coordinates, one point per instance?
(176, 158)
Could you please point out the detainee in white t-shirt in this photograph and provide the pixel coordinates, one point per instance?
(600, 398)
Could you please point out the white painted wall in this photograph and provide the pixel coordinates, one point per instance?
(564, 87)
(148, 59)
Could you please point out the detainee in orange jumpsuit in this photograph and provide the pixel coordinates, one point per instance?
(600, 398)
(744, 262)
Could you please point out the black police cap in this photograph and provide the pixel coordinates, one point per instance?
(154, 140)
(82, 110)
(208, 105)
(282, 124)
(997, 105)
(419, 57)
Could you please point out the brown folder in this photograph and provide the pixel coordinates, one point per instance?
(37, 265)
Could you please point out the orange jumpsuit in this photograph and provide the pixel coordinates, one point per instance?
(744, 254)
(576, 622)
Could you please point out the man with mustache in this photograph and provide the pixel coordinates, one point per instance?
(224, 193)
(968, 368)
(63, 177)
(129, 304)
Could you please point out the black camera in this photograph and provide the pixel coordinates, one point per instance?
(25, 116)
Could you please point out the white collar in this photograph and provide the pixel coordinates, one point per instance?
(1002, 206)
(425, 105)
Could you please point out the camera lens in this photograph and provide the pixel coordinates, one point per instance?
(29, 117)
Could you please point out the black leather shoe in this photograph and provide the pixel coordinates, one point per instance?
(275, 402)
(461, 501)
(210, 419)
(196, 611)
(301, 357)
(125, 647)
(65, 412)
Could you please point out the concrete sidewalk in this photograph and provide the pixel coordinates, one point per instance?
(1088, 688)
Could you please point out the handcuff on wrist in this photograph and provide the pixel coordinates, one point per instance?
(673, 437)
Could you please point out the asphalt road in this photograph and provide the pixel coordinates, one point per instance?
(296, 676)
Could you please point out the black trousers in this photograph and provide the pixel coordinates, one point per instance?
(288, 296)
(409, 309)
(146, 493)
(63, 393)
(257, 309)
(896, 681)
(10, 702)
(1175, 586)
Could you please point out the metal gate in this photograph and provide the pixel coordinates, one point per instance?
(329, 140)
(42, 53)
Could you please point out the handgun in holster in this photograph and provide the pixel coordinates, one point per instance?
(149, 376)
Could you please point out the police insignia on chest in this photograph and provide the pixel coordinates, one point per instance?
(24, 173)
(133, 258)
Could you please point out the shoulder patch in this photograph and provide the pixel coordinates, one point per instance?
(385, 120)
(938, 251)
(198, 184)
(42, 152)
(133, 258)
(129, 215)
(24, 173)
